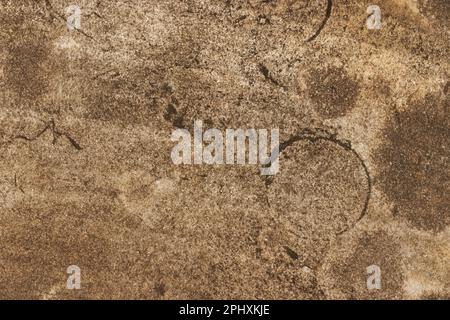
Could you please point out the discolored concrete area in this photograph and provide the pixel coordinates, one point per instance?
(414, 161)
(86, 176)
(314, 201)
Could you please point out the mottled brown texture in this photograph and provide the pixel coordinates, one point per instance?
(86, 176)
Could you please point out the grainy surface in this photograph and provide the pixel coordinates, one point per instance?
(86, 176)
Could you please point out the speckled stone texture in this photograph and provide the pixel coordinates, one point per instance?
(86, 176)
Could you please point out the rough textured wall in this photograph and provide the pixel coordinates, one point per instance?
(86, 176)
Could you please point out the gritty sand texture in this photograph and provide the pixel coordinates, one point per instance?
(86, 176)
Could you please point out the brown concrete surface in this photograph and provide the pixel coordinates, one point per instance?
(86, 176)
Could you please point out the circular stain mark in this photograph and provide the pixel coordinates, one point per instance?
(344, 272)
(324, 187)
(332, 91)
(414, 166)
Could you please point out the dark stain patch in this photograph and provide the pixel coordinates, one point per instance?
(160, 289)
(173, 116)
(268, 76)
(42, 244)
(332, 91)
(436, 9)
(170, 112)
(414, 164)
(30, 63)
(119, 97)
(349, 271)
(26, 69)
